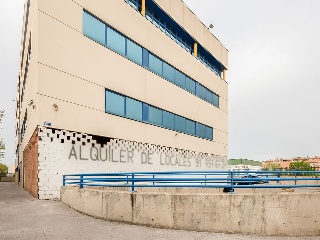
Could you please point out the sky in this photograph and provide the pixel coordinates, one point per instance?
(11, 14)
(273, 76)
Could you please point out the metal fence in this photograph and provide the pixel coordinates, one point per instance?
(228, 180)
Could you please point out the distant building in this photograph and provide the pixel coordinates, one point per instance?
(244, 164)
(284, 163)
(11, 170)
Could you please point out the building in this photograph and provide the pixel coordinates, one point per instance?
(122, 85)
(244, 164)
(284, 163)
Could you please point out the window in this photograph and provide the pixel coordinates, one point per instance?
(202, 92)
(133, 109)
(215, 100)
(208, 96)
(168, 72)
(168, 26)
(209, 133)
(93, 28)
(29, 50)
(191, 127)
(136, 4)
(162, 25)
(190, 85)
(201, 130)
(145, 58)
(134, 52)
(149, 15)
(24, 124)
(180, 79)
(115, 103)
(212, 64)
(179, 123)
(29, 54)
(168, 120)
(155, 64)
(155, 116)
(116, 41)
(156, 21)
(145, 112)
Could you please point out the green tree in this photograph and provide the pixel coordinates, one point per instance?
(1, 115)
(2, 148)
(300, 166)
(2, 145)
(272, 166)
(3, 169)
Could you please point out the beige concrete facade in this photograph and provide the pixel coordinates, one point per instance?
(68, 74)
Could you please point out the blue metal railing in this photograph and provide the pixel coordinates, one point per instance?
(229, 180)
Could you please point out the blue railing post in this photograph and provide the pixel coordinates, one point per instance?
(132, 182)
(153, 180)
(127, 179)
(278, 178)
(81, 181)
(64, 180)
(231, 175)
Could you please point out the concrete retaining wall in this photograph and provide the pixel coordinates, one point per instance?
(258, 214)
(6, 179)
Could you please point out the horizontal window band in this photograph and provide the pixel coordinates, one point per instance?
(172, 29)
(127, 107)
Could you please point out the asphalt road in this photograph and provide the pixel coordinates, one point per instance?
(23, 217)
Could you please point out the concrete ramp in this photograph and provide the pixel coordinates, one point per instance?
(256, 214)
